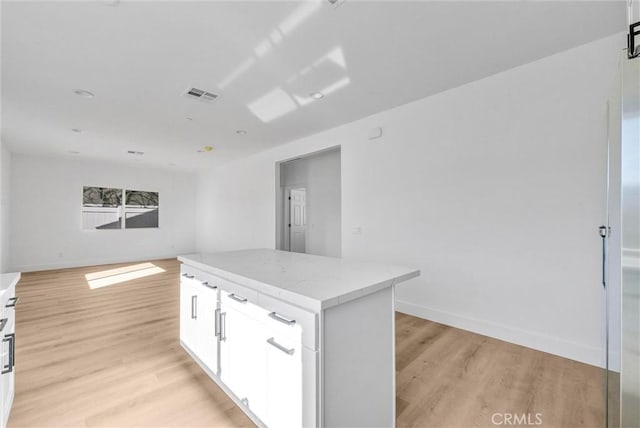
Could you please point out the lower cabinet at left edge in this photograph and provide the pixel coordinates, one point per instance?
(8, 302)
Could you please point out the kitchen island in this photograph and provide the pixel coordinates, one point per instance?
(294, 339)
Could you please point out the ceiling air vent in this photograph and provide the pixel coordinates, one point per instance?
(199, 94)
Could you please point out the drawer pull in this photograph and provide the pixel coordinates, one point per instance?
(11, 338)
(216, 328)
(223, 326)
(3, 322)
(206, 284)
(238, 298)
(283, 320)
(13, 301)
(271, 341)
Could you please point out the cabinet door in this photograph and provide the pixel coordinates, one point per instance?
(242, 366)
(188, 314)
(284, 379)
(7, 377)
(4, 382)
(207, 341)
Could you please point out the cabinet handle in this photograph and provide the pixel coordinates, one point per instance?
(186, 275)
(238, 298)
(13, 301)
(11, 338)
(216, 317)
(223, 326)
(194, 307)
(276, 316)
(271, 341)
(206, 284)
(3, 322)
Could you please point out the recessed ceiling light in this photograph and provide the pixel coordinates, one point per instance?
(189, 118)
(241, 132)
(83, 93)
(316, 95)
(172, 164)
(73, 152)
(76, 130)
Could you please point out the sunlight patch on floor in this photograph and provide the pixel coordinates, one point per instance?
(116, 276)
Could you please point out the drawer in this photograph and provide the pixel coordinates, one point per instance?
(190, 275)
(233, 293)
(286, 319)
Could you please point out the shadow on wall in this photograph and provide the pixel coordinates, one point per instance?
(140, 221)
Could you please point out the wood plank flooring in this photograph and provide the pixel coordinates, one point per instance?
(110, 357)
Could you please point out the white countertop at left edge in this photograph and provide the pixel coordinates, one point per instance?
(313, 282)
(9, 279)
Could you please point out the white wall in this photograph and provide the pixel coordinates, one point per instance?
(493, 190)
(320, 176)
(46, 223)
(5, 191)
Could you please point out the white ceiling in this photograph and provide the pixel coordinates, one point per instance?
(263, 58)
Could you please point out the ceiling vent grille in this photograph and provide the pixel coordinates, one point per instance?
(200, 95)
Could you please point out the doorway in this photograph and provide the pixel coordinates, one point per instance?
(308, 211)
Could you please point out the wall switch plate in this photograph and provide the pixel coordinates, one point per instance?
(375, 133)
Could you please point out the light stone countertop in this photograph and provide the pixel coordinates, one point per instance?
(312, 282)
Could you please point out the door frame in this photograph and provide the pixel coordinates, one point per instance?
(282, 233)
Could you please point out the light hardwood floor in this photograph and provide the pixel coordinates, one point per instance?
(110, 357)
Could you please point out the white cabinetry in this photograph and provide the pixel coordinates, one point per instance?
(302, 340)
(198, 317)
(8, 301)
(242, 367)
(284, 378)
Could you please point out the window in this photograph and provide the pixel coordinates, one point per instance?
(102, 208)
(141, 209)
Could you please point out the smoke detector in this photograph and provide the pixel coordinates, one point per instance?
(200, 95)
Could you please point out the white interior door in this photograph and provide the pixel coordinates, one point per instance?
(297, 220)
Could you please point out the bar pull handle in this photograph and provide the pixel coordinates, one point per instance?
(217, 328)
(194, 307)
(11, 338)
(271, 341)
(3, 322)
(186, 275)
(13, 301)
(238, 298)
(276, 316)
(223, 326)
(604, 233)
(206, 284)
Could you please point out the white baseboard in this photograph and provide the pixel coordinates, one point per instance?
(529, 339)
(91, 262)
